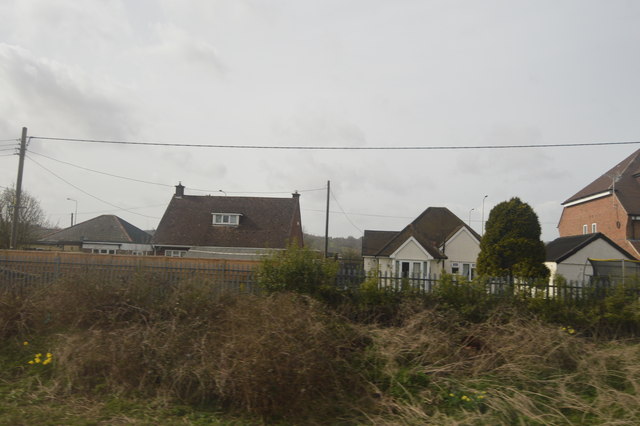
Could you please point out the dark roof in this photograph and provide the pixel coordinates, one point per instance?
(105, 228)
(265, 222)
(374, 241)
(563, 247)
(431, 229)
(627, 187)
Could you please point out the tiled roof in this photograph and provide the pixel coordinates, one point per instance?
(265, 222)
(624, 177)
(563, 247)
(431, 229)
(374, 241)
(105, 228)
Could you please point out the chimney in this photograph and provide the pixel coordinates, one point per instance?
(296, 194)
(179, 190)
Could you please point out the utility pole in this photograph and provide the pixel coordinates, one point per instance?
(326, 228)
(16, 205)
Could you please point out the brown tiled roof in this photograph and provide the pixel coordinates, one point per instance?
(265, 222)
(105, 228)
(431, 229)
(627, 185)
(374, 241)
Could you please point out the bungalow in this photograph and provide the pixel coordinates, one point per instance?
(222, 227)
(436, 241)
(105, 234)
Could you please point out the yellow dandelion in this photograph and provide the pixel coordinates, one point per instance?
(46, 361)
(37, 360)
(25, 343)
(480, 396)
(451, 395)
(38, 355)
(30, 362)
(49, 355)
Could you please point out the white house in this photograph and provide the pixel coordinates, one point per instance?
(569, 256)
(436, 241)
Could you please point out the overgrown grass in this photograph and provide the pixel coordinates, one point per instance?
(143, 352)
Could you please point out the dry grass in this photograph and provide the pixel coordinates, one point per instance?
(281, 355)
(288, 358)
(516, 372)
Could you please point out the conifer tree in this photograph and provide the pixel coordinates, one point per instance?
(511, 245)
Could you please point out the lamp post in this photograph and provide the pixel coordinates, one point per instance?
(75, 217)
(470, 216)
(482, 227)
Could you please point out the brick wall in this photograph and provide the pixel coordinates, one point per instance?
(607, 213)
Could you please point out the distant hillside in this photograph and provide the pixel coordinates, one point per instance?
(349, 246)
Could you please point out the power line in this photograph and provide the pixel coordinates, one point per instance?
(341, 148)
(89, 194)
(10, 140)
(167, 185)
(360, 214)
(97, 171)
(343, 212)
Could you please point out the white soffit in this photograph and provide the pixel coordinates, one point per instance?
(589, 198)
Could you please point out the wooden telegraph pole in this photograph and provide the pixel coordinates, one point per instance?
(326, 228)
(16, 204)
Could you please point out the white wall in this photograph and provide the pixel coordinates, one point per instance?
(461, 248)
(577, 267)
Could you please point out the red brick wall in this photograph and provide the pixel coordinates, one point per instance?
(604, 213)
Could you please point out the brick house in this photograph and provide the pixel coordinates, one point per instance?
(221, 227)
(610, 205)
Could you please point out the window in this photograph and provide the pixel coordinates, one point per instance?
(175, 253)
(468, 269)
(594, 228)
(229, 219)
(103, 251)
(585, 230)
(410, 269)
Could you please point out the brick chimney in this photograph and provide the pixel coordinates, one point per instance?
(296, 194)
(179, 190)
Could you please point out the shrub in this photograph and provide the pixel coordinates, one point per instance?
(297, 269)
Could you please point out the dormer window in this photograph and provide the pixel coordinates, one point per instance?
(226, 219)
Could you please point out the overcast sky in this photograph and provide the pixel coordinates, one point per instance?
(352, 73)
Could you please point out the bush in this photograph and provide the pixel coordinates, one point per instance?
(298, 270)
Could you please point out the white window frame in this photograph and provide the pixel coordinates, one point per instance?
(226, 219)
(175, 253)
(464, 269)
(585, 229)
(594, 228)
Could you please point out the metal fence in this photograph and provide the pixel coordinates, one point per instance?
(19, 269)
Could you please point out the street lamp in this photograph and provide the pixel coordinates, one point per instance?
(75, 220)
(482, 228)
(470, 216)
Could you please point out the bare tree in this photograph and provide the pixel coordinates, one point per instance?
(31, 218)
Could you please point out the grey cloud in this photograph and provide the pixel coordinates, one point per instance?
(178, 46)
(59, 100)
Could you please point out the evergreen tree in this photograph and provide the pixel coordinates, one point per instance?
(511, 245)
